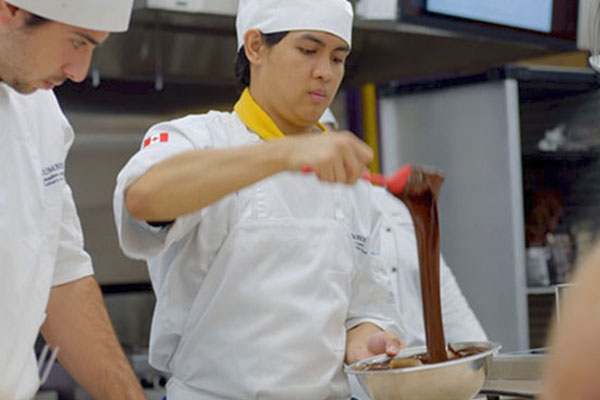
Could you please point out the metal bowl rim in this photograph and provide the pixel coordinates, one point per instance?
(492, 349)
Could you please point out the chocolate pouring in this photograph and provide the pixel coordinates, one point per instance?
(420, 196)
(455, 371)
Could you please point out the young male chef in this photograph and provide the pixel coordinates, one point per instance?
(45, 275)
(264, 275)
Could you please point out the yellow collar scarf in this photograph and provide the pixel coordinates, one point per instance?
(257, 120)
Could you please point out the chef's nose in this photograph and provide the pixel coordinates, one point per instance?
(76, 69)
(323, 69)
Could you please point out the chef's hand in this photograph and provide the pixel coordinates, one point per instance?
(368, 340)
(339, 157)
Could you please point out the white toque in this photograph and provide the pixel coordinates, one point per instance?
(99, 15)
(271, 16)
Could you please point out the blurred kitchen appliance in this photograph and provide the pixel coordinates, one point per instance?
(559, 295)
(377, 9)
(515, 374)
(537, 266)
(222, 7)
(562, 257)
(593, 29)
(548, 22)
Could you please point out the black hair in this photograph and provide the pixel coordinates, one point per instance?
(242, 65)
(35, 20)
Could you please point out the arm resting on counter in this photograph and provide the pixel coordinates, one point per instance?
(368, 340)
(77, 321)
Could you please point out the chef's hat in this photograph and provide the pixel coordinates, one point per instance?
(98, 15)
(270, 16)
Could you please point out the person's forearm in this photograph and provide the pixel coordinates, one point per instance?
(574, 360)
(188, 182)
(199, 178)
(78, 323)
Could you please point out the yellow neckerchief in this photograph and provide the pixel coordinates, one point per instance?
(257, 120)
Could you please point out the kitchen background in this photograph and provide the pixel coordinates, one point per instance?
(511, 117)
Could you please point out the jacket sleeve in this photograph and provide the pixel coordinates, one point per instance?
(372, 299)
(138, 239)
(72, 261)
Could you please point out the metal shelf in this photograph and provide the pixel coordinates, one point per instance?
(563, 156)
(541, 290)
(201, 48)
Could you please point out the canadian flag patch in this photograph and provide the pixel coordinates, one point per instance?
(158, 138)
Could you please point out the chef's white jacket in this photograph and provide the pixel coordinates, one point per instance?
(401, 261)
(256, 291)
(40, 234)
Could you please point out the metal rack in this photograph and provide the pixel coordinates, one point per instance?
(200, 48)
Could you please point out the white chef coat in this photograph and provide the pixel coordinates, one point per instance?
(255, 292)
(401, 260)
(42, 242)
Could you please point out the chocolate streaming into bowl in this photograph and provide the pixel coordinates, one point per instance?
(420, 196)
(418, 188)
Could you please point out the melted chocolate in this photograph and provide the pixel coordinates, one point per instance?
(418, 359)
(420, 196)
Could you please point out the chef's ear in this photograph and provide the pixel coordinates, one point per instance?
(254, 46)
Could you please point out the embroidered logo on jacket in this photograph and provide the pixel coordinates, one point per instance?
(158, 138)
(360, 242)
(53, 174)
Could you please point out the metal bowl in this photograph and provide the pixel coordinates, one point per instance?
(458, 379)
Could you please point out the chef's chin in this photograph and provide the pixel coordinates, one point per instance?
(22, 87)
(314, 113)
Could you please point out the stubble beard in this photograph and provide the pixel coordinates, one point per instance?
(16, 62)
(22, 87)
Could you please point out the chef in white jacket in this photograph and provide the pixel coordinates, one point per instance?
(266, 277)
(45, 275)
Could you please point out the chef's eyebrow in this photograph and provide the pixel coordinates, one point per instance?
(86, 37)
(312, 38)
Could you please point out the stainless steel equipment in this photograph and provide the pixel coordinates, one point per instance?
(515, 374)
(458, 379)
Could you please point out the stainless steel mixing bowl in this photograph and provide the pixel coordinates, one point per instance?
(458, 379)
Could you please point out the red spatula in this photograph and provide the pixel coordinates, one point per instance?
(395, 183)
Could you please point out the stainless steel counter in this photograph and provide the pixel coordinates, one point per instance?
(515, 374)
